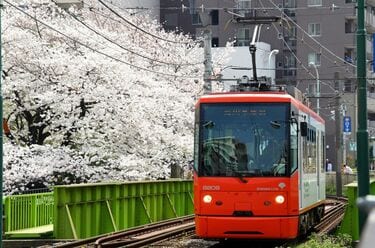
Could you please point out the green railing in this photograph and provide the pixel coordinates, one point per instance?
(27, 211)
(87, 210)
(350, 224)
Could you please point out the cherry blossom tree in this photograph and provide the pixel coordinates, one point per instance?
(94, 94)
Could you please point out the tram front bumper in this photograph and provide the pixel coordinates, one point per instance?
(247, 227)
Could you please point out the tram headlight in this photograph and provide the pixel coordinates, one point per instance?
(207, 199)
(279, 199)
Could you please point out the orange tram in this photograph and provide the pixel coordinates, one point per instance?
(258, 165)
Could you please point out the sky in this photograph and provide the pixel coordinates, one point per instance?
(95, 94)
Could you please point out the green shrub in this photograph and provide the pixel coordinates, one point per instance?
(327, 241)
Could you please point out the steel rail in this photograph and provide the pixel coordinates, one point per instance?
(154, 237)
(333, 216)
(128, 236)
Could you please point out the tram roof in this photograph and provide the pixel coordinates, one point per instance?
(258, 96)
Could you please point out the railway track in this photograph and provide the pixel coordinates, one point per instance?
(139, 236)
(334, 213)
(171, 229)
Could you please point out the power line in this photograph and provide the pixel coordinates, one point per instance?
(292, 21)
(293, 53)
(135, 26)
(183, 8)
(93, 49)
(124, 48)
(97, 11)
(336, 79)
(328, 58)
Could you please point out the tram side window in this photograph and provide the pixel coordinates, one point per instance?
(196, 139)
(310, 151)
(323, 151)
(293, 147)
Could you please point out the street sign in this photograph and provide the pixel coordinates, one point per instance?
(347, 127)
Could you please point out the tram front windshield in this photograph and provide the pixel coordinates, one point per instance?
(243, 139)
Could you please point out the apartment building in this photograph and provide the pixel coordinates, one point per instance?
(316, 40)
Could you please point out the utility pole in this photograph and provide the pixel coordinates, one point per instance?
(207, 86)
(344, 134)
(338, 146)
(362, 132)
(317, 86)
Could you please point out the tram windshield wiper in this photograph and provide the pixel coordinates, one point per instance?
(241, 176)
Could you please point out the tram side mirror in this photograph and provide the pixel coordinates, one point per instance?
(303, 128)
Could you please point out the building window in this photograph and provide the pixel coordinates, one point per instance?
(348, 85)
(243, 4)
(349, 55)
(312, 89)
(196, 19)
(350, 26)
(214, 17)
(289, 61)
(243, 8)
(290, 3)
(289, 7)
(215, 42)
(313, 29)
(337, 85)
(336, 80)
(291, 32)
(314, 2)
(243, 37)
(314, 58)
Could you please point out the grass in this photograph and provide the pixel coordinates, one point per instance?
(327, 241)
(331, 190)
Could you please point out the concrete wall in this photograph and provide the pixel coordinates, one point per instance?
(346, 178)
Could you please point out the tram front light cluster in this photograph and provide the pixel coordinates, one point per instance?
(207, 199)
(279, 199)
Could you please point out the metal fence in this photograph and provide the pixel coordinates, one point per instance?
(87, 210)
(27, 211)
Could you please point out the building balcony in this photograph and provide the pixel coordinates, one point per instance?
(251, 16)
(369, 49)
(291, 43)
(290, 72)
(370, 2)
(370, 21)
(371, 102)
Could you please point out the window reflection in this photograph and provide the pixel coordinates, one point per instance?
(243, 139)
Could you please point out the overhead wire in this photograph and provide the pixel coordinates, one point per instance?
(93, 49)
(295, 56)
(98, 12)
(311, 37)
(151, 38)
(327, 57)
(183, 7)
(316, 51)
(127, 49)
(280, 9)
(137, 27)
